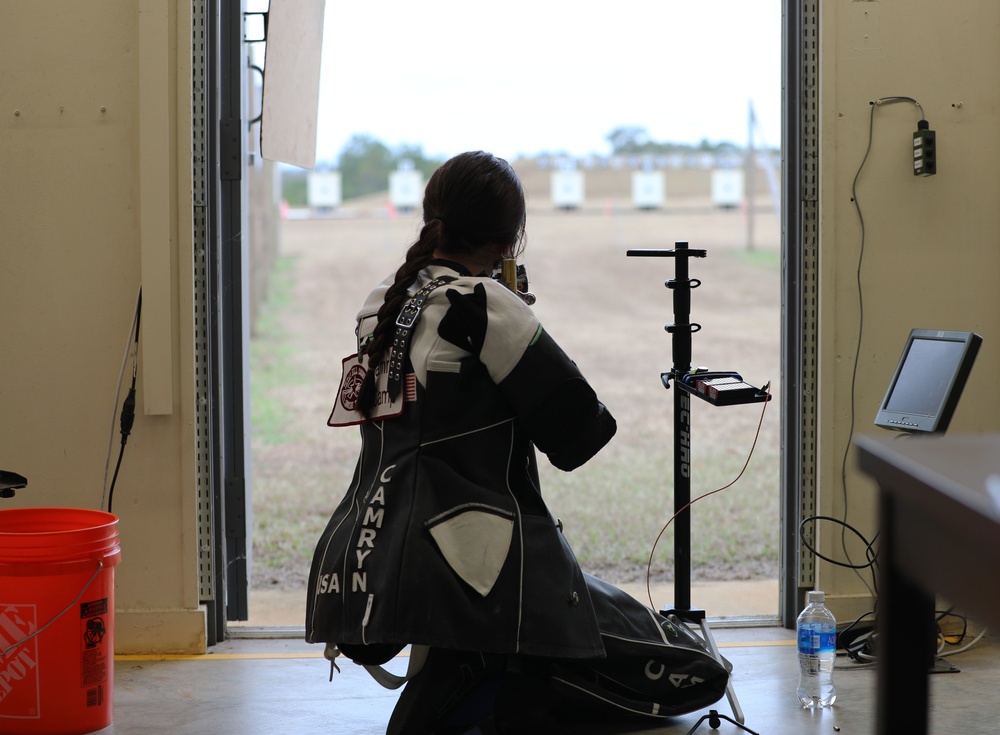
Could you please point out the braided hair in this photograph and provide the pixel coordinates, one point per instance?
(471, 202)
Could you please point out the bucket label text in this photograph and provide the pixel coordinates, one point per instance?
(94, 653)
(19, 685)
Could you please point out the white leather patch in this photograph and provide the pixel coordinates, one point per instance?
(345, 411)
(475, 545)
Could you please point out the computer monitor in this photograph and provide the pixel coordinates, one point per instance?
(928, 381)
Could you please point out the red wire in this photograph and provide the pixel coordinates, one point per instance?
(652, 551)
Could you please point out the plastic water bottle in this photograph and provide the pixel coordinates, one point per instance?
(817, 636)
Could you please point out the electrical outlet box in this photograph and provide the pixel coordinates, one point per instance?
(924, 151)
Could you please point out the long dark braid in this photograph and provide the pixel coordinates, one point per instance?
(473, 200)
(418, 256)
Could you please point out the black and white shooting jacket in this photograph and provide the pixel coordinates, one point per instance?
(443, 538)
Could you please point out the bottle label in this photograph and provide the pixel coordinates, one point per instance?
(815, 638)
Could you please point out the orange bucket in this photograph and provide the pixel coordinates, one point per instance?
(57, 620)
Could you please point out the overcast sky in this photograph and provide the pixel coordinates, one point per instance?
(527, 76)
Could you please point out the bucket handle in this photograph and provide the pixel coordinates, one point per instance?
(100, 566)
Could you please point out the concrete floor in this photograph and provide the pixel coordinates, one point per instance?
(264, 686)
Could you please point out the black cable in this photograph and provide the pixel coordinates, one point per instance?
(856, 648)
(128, 407)
(863, 642)
(857, 621)
(872, 556)
(861, 316)
(965, 626)
(127, 418)
(649, 566)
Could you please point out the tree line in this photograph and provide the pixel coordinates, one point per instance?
(366, 162)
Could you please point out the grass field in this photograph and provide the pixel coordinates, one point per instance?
(608, 311)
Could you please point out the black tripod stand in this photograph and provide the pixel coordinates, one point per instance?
(717, 388)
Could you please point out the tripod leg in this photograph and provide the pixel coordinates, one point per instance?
(701, 720)
(734, 703)
(740, 725)
(715, 721)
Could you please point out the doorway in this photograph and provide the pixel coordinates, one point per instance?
(328, 263)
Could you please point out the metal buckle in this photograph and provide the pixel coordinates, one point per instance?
(408, 315)
(411, 311)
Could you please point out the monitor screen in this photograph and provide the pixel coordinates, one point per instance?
(928, 381)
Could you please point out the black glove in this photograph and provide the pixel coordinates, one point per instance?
(464, 324)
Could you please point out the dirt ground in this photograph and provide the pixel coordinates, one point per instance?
(607, 310)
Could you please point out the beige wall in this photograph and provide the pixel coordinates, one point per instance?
(88, 209)
(932, 245)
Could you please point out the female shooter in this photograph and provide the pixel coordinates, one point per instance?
(443, 540)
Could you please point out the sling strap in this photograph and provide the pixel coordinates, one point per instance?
(405, 322)
(418, 656)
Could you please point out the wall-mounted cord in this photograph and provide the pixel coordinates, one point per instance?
(127, 416)
(869, 545)
(864, 651)
(859, 648)
(875, 104)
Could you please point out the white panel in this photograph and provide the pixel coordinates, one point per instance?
(406, 189)
(727, 187)
(324, 189)
(648, 189)
(290, 98)
(567, 189)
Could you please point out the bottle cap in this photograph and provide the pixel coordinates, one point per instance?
(815, 596)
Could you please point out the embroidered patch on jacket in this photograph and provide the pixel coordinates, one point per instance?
(345, 408)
